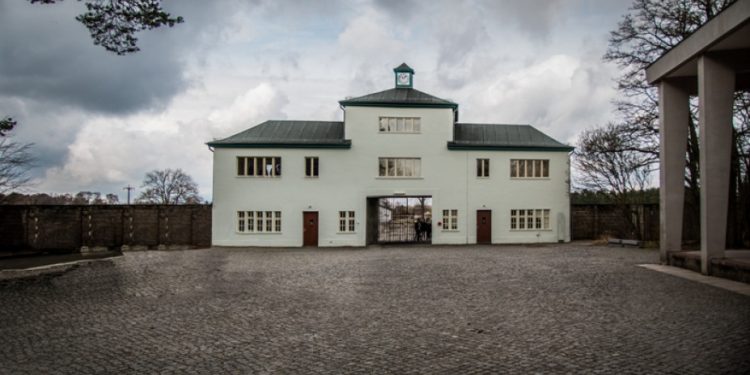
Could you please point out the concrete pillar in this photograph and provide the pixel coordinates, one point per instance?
(674, 116)
(716, 96)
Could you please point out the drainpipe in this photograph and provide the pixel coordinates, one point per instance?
(467, 196)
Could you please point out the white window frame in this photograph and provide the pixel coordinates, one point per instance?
(258, 222)
(483, 168)
(314, 172)
(399, 125)
(530, 169)
(400, 164)
(530, 219)
(347, 222)
(259, 163)
(450, 220)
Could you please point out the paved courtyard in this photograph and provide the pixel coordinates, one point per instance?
(454, 310)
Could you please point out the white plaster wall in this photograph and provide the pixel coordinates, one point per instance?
(349, 176)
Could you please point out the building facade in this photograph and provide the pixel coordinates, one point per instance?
(399, 168)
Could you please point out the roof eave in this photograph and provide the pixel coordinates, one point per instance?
(346, 103)
(490, 147)
(339, 145)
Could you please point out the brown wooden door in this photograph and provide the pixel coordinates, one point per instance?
(484, 226)
(309, 229)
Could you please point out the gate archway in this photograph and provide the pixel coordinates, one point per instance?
(403, 219)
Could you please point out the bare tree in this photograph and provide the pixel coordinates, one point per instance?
(169, 186)
(608, 163)
(15, 160)
(112, 199)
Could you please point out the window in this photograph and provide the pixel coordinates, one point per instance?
(450, 219)
(259, 166)
(400, 125)
(346, 221)
(537, 219)
(522, 168)
(400, 167)
(259, 221)
(483, 167)
(312, 166)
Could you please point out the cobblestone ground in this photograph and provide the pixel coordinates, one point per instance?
(548, 309)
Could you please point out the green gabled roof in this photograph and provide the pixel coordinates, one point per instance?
(289, 134)
(503, 137)
(399, 97)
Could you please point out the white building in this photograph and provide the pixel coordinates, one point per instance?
(400, 155)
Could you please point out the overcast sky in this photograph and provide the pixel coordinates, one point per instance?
(100, 121)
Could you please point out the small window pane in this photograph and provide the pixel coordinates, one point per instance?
(316, 167)
(250, 221)
(240, 221)
(240, 166)
(251, 166)
(400, 124)
(391, 124)
(277, 222)
(545, 168)
(259, 221)
(514, 168)
(417, 167)
(399, 167)
(383, 124)
(382, 167)
(416, 125)
(537, 168)
(391, 167)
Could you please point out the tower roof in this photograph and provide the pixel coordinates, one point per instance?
(399, 97)
(403, 68)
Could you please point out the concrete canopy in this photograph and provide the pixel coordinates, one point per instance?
(726, 37)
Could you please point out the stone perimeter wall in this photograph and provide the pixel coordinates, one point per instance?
(595, 221)
(99, 227)
(114, 227)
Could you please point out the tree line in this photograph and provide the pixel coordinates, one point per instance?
(167, 186)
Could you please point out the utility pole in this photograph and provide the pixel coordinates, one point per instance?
(128, 188)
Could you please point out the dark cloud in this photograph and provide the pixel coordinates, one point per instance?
(49, 57)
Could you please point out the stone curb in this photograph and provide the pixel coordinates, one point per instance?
(42, 272)
(726, 284)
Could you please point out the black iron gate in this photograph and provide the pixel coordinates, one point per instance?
(404, 219)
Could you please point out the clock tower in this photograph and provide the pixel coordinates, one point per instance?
(404, 76)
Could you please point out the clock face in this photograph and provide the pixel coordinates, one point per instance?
(403, 78)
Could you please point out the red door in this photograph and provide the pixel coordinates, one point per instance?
(309, 229)
(484, 226)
